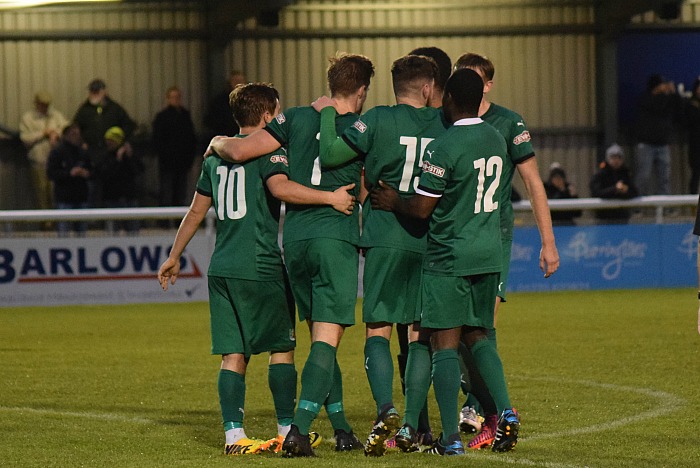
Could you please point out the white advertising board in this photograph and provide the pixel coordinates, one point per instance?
(104, 270)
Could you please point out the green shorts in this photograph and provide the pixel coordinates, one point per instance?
(453, 301)
(506, 248)
(391, 285)
(323, 275)
(250, 317)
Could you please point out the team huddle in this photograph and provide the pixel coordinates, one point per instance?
(433, 176)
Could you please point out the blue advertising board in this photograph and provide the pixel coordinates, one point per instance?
(608, 257)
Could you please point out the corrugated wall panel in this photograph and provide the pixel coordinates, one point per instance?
(137, 74)
(547, 78)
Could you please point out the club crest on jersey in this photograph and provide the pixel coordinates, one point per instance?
(522, 138)
(433, 169)
(280, 118)
(360, 126)
(279, 158)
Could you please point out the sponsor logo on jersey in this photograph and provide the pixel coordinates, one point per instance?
(520, 123)
(279, 158)
(522, 138)
(280, 118)
(360, 126)
(433, 169)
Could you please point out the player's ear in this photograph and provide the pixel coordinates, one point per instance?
(487, 86)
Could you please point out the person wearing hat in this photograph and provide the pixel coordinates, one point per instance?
(40, 130)
(94, 116)
(613, 180)
(559, 188)
(659, 108)
(118, 168)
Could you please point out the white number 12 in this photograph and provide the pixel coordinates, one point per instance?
(492, 167)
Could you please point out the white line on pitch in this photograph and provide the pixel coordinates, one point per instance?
(668, 403)
(79, 414)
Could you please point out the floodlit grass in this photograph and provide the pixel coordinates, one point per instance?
(600, 378)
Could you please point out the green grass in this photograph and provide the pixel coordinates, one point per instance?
(600, 378)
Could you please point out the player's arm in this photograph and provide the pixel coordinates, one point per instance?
(291, 192)
(334, 150)
(239, 150)
(549, 256)
(170, 268)
(387, 198)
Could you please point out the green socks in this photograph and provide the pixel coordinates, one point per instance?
(491, 370)
(446, 379)
(231, 398)
(379, 366)
(282, 379)
(334, 402)
(417, 381)
(316, 383)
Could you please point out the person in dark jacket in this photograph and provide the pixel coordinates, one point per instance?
(613, 180)
(659, 108)
(692, 118)
(218, 118)
(175, 142)
(94, 116)
(118, 168)
(559, 188)
(69, 168)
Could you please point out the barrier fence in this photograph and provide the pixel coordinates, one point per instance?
(50, 270)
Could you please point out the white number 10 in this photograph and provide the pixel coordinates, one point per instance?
(231, 182)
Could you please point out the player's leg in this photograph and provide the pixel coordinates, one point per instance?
(227, 340)
(332, 268)
(446, 382)
(345, 438)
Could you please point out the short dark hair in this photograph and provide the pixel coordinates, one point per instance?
(478, 62)
(348, 72)
(250, 101)
(409, 72)
(465, 89)
(443, 61)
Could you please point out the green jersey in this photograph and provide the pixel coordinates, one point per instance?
(247, 216)
(512, 126)
(297, 129)
(392, 140)
(463, 167)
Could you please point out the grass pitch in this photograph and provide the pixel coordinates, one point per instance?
(602, 379)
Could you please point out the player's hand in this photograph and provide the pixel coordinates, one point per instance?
(383, 197)
(210, 151)
(322, 102)
(168, 272)
(343, 200)
(549, 260)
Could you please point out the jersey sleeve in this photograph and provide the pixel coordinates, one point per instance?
(280, 125)
(519, 144)
(273, 164)
(334, 151)
(204, 183)
(360, 135)
(435, 172)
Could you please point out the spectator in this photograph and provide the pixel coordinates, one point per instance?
(69, 168)
(693, 127)
(175, 143)
(118, 169)
(218, 117)
(97, 114)
(659, 107)
(40, 130)
(613, 180)
(559, 188)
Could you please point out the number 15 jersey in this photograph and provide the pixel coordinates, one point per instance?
(393, 140)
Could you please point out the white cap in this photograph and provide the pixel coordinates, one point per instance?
(614, 149)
